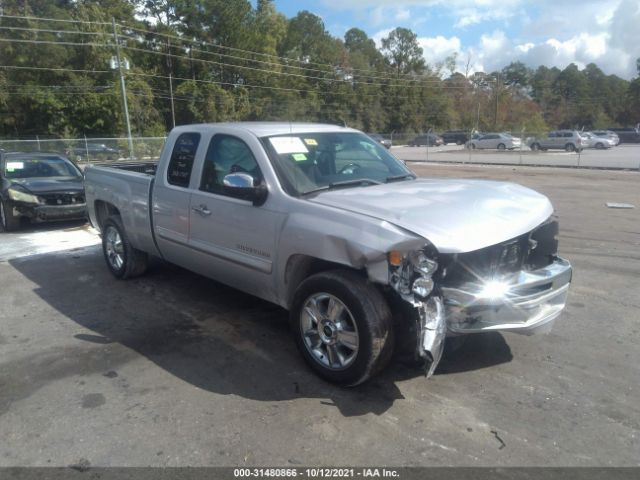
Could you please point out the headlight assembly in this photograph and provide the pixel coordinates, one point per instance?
(19, 196)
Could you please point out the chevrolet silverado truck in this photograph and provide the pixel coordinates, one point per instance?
(322, 220)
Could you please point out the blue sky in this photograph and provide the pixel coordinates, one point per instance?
(488, 34)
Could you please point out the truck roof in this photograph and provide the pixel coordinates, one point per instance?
(265, 129)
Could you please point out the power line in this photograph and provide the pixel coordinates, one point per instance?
(74, 70)
(51, 42)
(284, 65)
(60, 20)
(44, 30)
(286, 59)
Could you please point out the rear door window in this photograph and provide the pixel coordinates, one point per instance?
(182, 157)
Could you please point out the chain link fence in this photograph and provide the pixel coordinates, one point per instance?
(90, 150)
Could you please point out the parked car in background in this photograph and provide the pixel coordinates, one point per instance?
(568, 140)
(501, 141)
(459, 137)
(430, 139)
(385, 142)
(607, 134)
(627, 135)
(41, 187)
(589, 140)
(97, 150)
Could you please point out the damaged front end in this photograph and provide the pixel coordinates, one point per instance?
(411, 276)
(518, 286)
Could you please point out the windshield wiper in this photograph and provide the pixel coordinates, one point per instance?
(359, 181)
(401, 177)
(345, 183)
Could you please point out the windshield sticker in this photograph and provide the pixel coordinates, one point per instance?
(311, 142)
(299, 157)
(285, 145)
(13, 166)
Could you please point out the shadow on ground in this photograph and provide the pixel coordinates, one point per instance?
(204, 333)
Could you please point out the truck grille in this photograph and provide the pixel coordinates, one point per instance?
(62, 198)
(531, 251)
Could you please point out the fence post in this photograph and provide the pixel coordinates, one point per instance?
(38, 140)
(521, 143)
(86, 146)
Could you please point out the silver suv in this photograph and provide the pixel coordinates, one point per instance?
(568, 140)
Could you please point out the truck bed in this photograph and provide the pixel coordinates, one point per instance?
(123, 189)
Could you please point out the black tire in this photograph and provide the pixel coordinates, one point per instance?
(535, 147)
(370, 313)
(501, 146)
(600, 146)
(570, 147)
(473, 146)
(10, 222)
(134, 261)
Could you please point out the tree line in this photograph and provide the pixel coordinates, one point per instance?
(191, 61)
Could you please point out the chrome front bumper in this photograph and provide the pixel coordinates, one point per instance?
(528, 303)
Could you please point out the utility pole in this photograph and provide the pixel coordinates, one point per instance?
(123, 88)
(495, 118)
(173, 110)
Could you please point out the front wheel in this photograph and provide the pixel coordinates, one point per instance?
(342, 326)
(9, 221)
(501, 146)
(570, 147)
(600, 146)
(123, 260)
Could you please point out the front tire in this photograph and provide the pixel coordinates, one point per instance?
(501, 146)
(535, 147)
(10, 222)
(342, 326)
(570, 147)
(123, 260)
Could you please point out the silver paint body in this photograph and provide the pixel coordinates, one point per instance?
(253, 248)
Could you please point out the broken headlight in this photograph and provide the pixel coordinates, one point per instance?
(411, 273)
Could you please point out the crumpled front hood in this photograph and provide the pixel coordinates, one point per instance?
(456, 216)
(43, 185)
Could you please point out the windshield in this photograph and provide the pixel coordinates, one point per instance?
(30, 167)
(316, 161)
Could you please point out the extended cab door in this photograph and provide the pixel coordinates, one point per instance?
(234, 241)
(171, 198)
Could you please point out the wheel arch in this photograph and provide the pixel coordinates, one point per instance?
(104, 210)
(300, 267)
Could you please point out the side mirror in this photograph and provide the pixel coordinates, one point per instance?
(242, 185)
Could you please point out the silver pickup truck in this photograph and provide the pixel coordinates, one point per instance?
(325, 222)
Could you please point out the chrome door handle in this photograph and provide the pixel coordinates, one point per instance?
(202, 210)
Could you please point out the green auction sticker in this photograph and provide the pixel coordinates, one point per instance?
(299, 157)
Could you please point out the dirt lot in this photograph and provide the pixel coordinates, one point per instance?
(172, 369)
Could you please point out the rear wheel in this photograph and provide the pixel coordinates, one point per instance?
(342, 326)
(473, 146)
(535, 147)
(9, 221)
(123, 260)
(570, 147)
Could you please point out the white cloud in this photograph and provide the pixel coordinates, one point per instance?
(438, 48)
(402, 14)
(605, 32)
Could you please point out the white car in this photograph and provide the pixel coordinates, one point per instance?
(589, 140)
(501, 141)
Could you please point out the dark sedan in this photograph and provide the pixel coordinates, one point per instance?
(99, 150)
(41, 187)
(430, 140)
